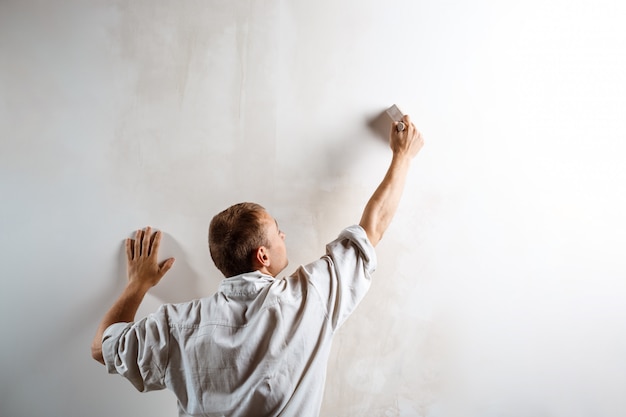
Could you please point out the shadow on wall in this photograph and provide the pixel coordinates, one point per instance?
(335, 192)
(338, 164)
(182, 282)
(380, 124)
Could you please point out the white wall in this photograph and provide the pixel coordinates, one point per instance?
(501, 288)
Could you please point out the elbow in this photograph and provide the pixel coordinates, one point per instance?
(96, 353)
(374, 238)
(373, 235)
(375, 222)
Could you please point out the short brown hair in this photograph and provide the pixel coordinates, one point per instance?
(234, 235)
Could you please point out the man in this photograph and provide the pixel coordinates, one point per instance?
(260, 345)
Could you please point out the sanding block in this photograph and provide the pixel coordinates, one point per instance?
(396, 115)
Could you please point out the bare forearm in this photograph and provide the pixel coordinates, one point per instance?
(122, 311)
(383, 204)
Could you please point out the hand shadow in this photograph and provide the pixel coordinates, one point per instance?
(182, 282)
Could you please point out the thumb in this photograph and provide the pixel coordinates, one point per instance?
(166, 265)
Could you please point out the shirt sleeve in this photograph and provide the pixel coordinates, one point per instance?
(139, 351)
(342, 277)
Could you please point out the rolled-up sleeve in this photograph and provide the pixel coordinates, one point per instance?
(343, 276)
(139, 351)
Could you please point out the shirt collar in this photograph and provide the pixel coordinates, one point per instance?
(248, 283)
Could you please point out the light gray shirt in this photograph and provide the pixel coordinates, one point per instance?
(258, 347)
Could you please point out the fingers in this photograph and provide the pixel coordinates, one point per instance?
(166, 265)
(412, 131)
(129, 249)
(410, 126)
(145, 243)
(137, 245)
(155, 242)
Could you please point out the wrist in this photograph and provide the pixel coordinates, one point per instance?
(137, 287)
(401, 161)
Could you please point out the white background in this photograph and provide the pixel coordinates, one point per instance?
(501, 287)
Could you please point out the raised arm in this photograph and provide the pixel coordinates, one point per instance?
(144, 272)
(383, 204)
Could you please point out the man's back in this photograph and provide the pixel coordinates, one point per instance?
(258, 347)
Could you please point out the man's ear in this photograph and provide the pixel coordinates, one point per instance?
(262, 257)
